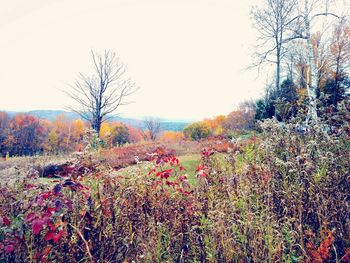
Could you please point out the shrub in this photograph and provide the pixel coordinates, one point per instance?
(120, 135)
(119, 157)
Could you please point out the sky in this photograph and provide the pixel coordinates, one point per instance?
(188, 57)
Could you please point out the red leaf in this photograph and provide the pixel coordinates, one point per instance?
(49, 236)
(152, 171)
(46, 251)
(202, 174)
(6, 221)
(199, 167)
(184, 192)
(59, 236)
(52, 226)
(183, 177)
(31, 216)
(201, 170)
(169, 183)
(207, 152)
(46, 195)
(9, 248)
(164, 174)
(50, 210)
(37, 225)
(53, 236)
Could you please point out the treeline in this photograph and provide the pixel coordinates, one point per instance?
(241, 119)
(24, 134)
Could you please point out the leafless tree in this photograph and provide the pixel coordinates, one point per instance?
(99, 95)
(274, 23)
(153, 128)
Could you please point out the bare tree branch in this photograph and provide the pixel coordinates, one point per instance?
(102, 93)
(153, 128)
(275, 25)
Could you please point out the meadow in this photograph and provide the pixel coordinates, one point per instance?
(193, 131)
(279, 195)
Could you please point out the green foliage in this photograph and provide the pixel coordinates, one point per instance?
(197, 131)
(281, 103)
(120, 135)
(265, 109)
(336, 90)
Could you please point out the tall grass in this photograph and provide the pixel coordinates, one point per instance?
(282, 197)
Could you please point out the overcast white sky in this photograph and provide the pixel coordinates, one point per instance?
(187, 56)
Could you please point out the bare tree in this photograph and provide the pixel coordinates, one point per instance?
(153, 128)
(100, 94)
(274, 23)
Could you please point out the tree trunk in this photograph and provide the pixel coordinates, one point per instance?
(311, 86)
(337, 80)
(278, 70)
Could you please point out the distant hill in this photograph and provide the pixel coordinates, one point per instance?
(170, 125)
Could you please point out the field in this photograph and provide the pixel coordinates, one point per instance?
(175, 131)
(277, 196)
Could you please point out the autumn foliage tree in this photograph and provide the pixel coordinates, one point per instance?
(78, 130)
(172, 136)
(4, 131)
(215, 124)
(197, 131)
(63, 131)
(135, 135)
(117, 134)
(120, 134)
(339, 62)
(241, 119)
(26, 135)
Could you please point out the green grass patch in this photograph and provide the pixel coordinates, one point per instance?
(190, 163)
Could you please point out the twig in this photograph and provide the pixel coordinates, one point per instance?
(85, 242)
